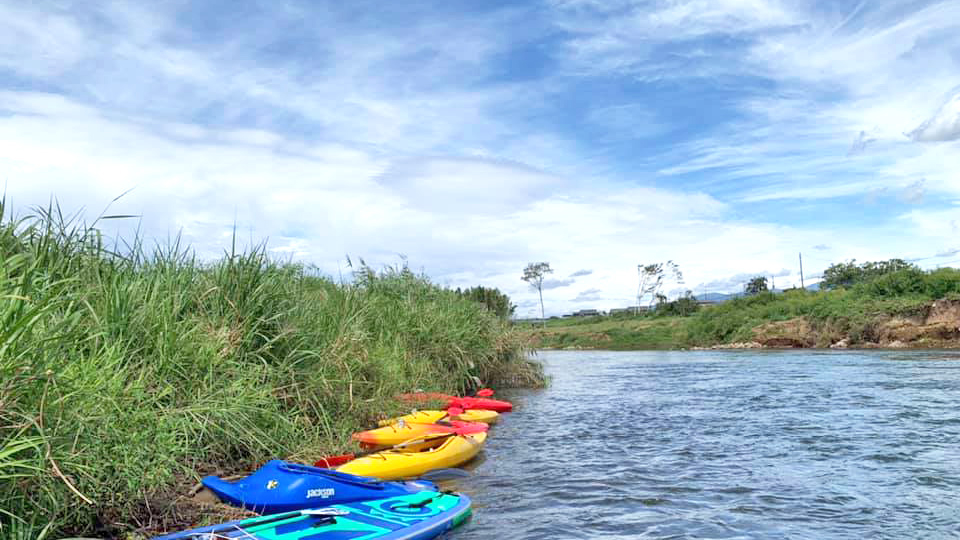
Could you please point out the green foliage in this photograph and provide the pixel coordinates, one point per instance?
(534, 274)
(853, 312)
(612, 333)
(494, 300)
(850, 273)
(122, 374)
(756, 285)
(684, 306)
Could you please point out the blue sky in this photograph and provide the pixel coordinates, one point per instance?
(474, 137)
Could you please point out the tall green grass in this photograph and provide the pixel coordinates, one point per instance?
(125, 372)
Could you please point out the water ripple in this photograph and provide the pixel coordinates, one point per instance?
(727, 444)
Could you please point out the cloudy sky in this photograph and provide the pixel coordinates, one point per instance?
(474, 137)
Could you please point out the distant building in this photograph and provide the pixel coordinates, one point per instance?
(629, 310)
(586, 313)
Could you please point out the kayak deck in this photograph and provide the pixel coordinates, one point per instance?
(409, 517)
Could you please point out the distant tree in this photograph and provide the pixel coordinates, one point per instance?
(756, 285)
(841, 274)
(494, 300)
(652, 279)
(534, 274)
(850, 273)
(686, 304)
(683, 306)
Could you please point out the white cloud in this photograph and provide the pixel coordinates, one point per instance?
(871, 70)
(860, 143)
(944, 125)
(556, 283)
(322, 202)
(622, 36)
(469, 185)
(588, 295)
(35, 41)
(914, 192)
(380, 140)
(940, 224)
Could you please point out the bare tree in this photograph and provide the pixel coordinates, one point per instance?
(534, 274)
(651, 275)
(652, 279)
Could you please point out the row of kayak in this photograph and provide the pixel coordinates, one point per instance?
(373, 496)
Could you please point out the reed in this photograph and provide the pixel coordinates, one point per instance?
(126, 372)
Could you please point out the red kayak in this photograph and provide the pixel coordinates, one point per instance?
(460, 402)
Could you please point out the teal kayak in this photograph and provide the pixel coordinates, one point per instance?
(417, 516)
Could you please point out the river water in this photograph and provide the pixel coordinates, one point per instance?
(726, 444)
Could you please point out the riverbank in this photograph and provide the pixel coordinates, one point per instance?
(858, 317)
(126, 377)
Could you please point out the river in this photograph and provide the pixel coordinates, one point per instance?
(726, 444)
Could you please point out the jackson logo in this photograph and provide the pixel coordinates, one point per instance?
(323, 493)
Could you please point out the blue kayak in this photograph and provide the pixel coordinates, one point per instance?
(416, 516)
(280, 486)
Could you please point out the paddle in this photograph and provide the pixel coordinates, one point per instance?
(334, 461)
(236, 527)
(423, 439)
(457, 428)
(329, 514)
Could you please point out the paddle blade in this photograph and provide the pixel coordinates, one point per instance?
(484, 392)
(334, 461)
(425, 438)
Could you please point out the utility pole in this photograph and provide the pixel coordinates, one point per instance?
(773, 283)
(802, 286)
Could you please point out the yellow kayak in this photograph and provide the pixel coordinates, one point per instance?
(418, 456)
(402, 431)
(478, 415)
(432, 417)
(417, 417)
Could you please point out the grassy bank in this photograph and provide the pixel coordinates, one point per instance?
(908, 307)
(125, 376)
